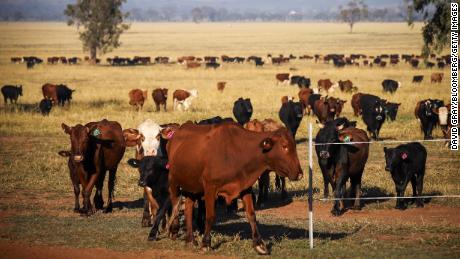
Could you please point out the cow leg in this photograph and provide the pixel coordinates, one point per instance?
(400, 189)
(88, 208)
(257, 242)
(112, 177)
(210, 203)
(201, 217)
(283, 188)
(165, 206)
(175, 203)
(76, 191)
(419, 190)
(164, 105)
(157, 106)
(189, 238)
(98, 200)
(146, 219)
(356, 188)
(338, 193)
(264, 181)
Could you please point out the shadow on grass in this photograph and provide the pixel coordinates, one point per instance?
(136, 204)
(272, 231)
(103, 103)
(301, 140)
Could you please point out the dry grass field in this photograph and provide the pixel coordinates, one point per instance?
(36, 195)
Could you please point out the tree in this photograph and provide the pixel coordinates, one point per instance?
(197, 14)
(355, 11)
(102, 22)
(436, 27)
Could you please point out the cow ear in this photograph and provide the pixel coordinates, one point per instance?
(131, 137)
(66, 128)
(404, 155)
(168, 132)
(134, 163)
(64, 153)
(267, 144)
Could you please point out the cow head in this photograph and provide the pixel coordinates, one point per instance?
(147, 166)
(330, 133)
(281, 154)
(443, 115)
(394, 157)
(193, 93)
(20, 90)
(378, 110)
(79, 138)
(165, 92)
(146, 138)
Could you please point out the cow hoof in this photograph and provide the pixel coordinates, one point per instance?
(77, 210)
(108, 209)
(146, 223)
(400, 207)
(152, 237)
(261, 249)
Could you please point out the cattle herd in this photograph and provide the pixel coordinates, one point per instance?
(223, 157)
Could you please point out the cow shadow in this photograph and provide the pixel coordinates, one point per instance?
(374, 191)
(301, 140)
(21, 107)
(135, 204)
(276, 201)
(272, 232)
(103, 103)
(428, 200)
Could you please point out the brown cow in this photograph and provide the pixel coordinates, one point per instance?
(324, 84)
(160, 96)
(325, 109)
(193, 64)
(95, 148)
(437, 77)
(304, 95)
(282, 78)
(221, 86)
(201, 163)
(50, 91)
(356, 104)
(286, 99)
(137, 97)
(346, 86)
(183, 98)
(267, 125)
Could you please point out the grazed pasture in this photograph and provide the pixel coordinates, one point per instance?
(36, 198)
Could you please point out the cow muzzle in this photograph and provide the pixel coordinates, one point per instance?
(379, 117)
(150, 152)
(324, 154)
(77, 158)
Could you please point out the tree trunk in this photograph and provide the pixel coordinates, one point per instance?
(93, 55)
(351, 27)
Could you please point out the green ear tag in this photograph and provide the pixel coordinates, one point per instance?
(96, 132)
(346, 139)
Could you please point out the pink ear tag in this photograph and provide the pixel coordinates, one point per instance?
(170, 134)
(404, 155)
(167, 166)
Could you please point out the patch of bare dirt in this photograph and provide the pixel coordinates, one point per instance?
(431, 214)
(11, 249)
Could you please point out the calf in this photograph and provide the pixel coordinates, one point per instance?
(355, 104)
(160, 96)
(286, 98)
(12, 93)
(424, 112)
(221, 86)
(324, 109)
(341, 162)
(373, 113)
(417, 79)
(406, 163)
(154, 177)
(304, 95)
(346, 86)
(324, 84)
(282, 77)
(437, 77)
(137, 97)
(291, 115)
(45, 106)
(390, 85)
(182, 99)
(59, 94)
(242, 110)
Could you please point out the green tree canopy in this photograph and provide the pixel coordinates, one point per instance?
(353, 12)
(99, 22)
(436, 19)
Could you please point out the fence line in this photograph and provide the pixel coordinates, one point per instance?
(381, 142)
(389, 197)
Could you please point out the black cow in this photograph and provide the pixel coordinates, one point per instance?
(340, 162)
(391, 110)
(300, 81)
(212, 65)
(154, 175)
(242, 110)
(406, 163)
(11, 92)
(291, 114)
(45, 106)
(373, 113)
(424, 111)
(417, 79)
(390, 85)
(312, 99)
(259, 62)
(215, 120)
(64, 94)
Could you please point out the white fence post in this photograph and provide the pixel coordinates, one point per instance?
(310, 185)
